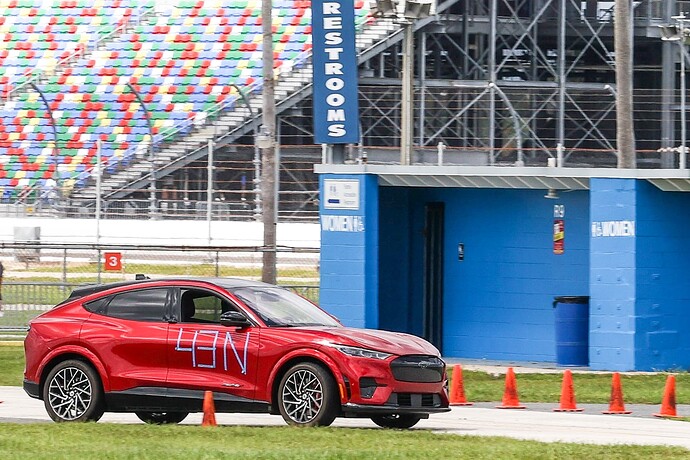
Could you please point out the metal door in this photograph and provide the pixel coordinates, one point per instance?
(433, 273)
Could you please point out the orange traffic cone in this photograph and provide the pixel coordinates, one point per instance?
(510, 396)
(668, 403)
(209, 410)
(568, 403)
(457, 388)
(616, 405)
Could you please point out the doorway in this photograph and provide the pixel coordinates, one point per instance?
(433, 273)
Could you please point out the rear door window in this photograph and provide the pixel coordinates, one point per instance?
(140, 305)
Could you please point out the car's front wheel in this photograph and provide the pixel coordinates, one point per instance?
(72, 393)
(162, 418)
(399, 421)
(308, 396)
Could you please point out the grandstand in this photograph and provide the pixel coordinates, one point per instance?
(93, 62)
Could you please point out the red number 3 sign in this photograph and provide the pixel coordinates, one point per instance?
(113, 261)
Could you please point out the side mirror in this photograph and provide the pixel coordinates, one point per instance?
(234, 318)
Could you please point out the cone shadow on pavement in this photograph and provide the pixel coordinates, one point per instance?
(457, 388)
(209, 410)
(616, 404)
(510, 395)
(567, 403)
(668, 403)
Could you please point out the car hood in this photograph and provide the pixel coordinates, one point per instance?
(396, 343)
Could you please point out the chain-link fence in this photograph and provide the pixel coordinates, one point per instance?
(38, 276)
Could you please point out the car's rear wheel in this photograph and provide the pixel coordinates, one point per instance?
(308, 396)
(399, 421)
(162, 418)
(73, 393)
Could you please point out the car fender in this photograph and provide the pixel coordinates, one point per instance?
(77, 350)
(310, 353)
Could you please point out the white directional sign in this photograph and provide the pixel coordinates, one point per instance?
(341, 194)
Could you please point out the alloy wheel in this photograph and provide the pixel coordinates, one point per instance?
(302, 396)
(70, 393)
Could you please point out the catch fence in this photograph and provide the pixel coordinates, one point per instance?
(37, 275)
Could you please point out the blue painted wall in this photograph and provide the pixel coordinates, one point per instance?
(349, 257)
(613, 274)
(498, 301)
(640, 294)
(663, 291)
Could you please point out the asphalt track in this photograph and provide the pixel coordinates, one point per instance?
(538, 422)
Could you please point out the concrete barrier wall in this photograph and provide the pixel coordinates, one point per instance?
(163, 232)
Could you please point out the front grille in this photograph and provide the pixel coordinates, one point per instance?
(421, 369)
(415, 400)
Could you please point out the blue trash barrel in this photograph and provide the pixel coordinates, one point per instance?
(572, 330)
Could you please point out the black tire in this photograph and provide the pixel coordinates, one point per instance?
(73, 392)
(308, 396)
(162, 418)
(398, 421)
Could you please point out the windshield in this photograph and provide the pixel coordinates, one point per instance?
(279, 307)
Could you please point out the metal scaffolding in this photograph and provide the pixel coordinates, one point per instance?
(521, 81)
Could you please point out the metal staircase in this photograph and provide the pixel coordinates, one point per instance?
(290, 89)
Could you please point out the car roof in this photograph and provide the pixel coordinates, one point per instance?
(227, 283)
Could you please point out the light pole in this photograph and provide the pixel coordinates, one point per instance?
(679, 34)
(52, 125)
(152, 169)
(412, 10)
(257, 156)
(267, 143)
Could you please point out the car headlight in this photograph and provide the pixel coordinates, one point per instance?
(362, 352)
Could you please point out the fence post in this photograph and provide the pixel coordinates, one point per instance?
(98, 252)
(64, 268)
(217, 265)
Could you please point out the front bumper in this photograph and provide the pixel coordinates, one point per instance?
(31, 389)
(365, 410)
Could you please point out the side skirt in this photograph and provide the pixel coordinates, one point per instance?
(152, 399)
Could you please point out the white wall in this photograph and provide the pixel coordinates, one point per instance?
(162, 232)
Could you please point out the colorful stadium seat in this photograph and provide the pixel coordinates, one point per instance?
(183, 61)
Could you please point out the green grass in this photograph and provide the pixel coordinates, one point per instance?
(11, 366)
(589, 388)
(111, 441)
(205, 269)
(17, 318)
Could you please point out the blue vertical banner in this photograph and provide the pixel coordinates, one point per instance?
(336, 108)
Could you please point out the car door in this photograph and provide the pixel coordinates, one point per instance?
(204, 355)
(129, 331)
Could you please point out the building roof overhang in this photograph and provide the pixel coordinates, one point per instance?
(508, 177)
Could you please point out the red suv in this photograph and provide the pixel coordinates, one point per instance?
(153, 347)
